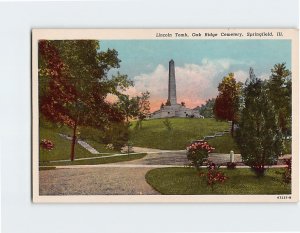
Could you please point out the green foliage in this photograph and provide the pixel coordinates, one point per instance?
(207, 109)
(128, 106)
(197, 153)
(90, 133)
(62, 146)
(138, 125)
(259, 136)
(228, 100)
(214, 176)
(117, 134)
(168, 124)
(140, 108)
(183, 181)
(144, 105)
(280, 92)
(287, 173)
(74, 84)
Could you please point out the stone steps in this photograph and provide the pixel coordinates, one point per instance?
(84, 144)
(217, 134)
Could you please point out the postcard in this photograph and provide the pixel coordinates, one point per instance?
(165, 115)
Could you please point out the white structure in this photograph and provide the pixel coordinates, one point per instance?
(172, 108)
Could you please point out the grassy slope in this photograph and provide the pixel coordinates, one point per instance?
(62, 147)
(185, 181)
(224, 144)
(154, 134)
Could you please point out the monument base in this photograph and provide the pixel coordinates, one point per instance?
(176, 110)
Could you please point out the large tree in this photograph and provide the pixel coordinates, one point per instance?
(227, 102)
(280, 92)
(73, 84)
(259, 136)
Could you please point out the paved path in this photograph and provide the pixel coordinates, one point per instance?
(115, 179)
(95, 181)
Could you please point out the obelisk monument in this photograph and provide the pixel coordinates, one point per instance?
(172, 84)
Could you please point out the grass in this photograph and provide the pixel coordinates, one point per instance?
(101, 147)
(46, 168)
(185, 181)
(116, 159)
(62, 146)
(155, 135)
(287, 147)
(224, 144)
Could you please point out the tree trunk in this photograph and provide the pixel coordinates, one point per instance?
(73, 142)
(232, 128)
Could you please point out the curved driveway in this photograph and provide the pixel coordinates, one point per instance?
(112, 179)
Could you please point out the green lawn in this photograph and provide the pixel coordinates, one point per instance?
(97, 161)
(185, 181)
(224, 144)
(154, 134)
(62, 146)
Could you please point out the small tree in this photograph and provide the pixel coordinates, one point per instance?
(207, 109)
(227, 102)
(168, 124)
(259, 136)
(117, 134)
(143, 108)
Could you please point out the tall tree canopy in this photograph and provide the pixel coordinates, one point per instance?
(280, 92)
(259, 136)
(73, 84)
(227, 102)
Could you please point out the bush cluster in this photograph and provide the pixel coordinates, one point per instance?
(47, 144)
(197, 153)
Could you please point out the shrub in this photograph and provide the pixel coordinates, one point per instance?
(168, 125)
(197, 153)
(109, 146)
(47, 144)
(117, 135)
(287, 174)
(214, 175)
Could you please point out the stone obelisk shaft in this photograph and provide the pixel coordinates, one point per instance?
(172, 84)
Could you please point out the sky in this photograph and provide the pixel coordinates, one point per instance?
(200, 65)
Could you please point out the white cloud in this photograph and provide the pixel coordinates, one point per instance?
(264, 76)
(241, 75)
(195, 83)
